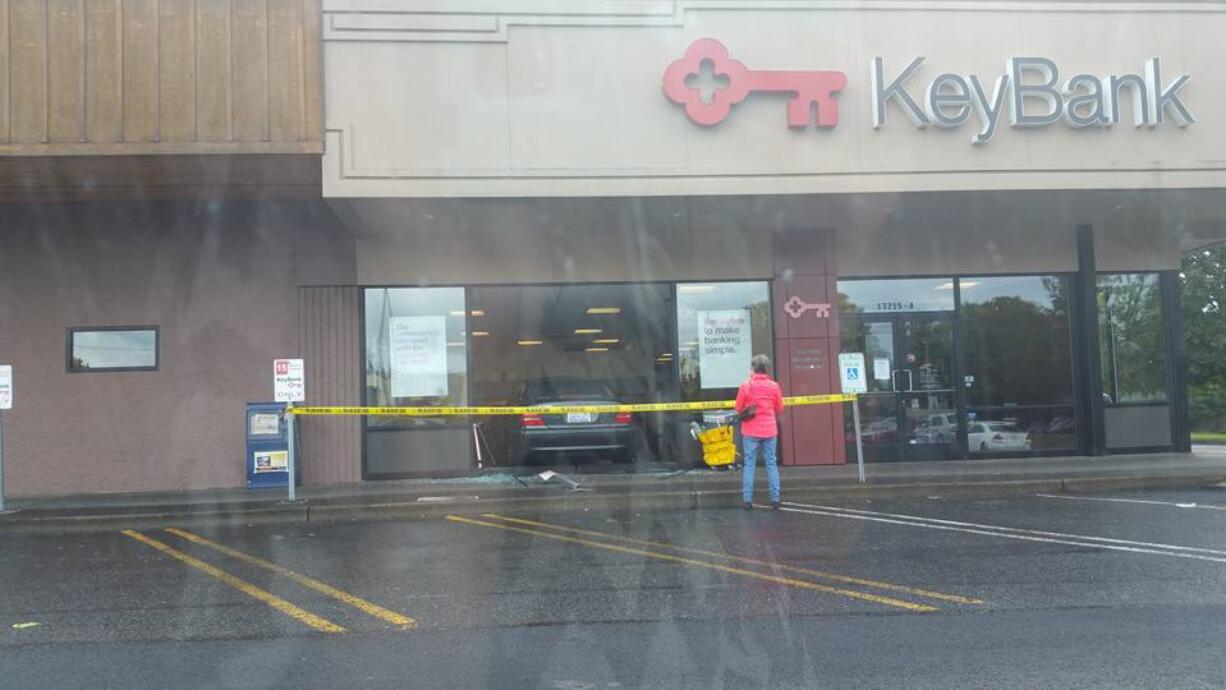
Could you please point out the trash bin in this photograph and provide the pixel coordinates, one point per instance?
(267, 446)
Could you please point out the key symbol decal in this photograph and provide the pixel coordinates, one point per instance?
(807, 88)
(796, 308)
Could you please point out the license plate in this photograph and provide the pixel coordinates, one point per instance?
(580, 417)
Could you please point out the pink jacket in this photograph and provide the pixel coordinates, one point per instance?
(761, 391)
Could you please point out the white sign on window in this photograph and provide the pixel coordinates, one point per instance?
(289, 380)
(881, 369)
(6, 387)
(418, 356)
(725, 346)
(852, 375)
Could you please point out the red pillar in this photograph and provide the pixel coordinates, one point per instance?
(807, 345)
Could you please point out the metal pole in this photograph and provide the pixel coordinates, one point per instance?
(1, 461)
(855, 416)
(292, 461)
(477, 443)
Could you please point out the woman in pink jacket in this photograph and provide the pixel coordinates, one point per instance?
(760, 430)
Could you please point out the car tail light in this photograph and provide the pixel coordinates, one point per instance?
(621, 418)
(532, 420)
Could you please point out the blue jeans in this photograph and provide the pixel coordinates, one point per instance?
(751, 445)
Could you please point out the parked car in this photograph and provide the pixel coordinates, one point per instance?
(881, 431)
(989, 436)
(542, 436)
(937, 428)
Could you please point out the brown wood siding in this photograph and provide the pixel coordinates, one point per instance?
(135, 77)
(330, 342)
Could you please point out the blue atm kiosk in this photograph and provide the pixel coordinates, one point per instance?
(267, 446)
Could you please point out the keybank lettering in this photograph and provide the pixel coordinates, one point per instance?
(1032, 92)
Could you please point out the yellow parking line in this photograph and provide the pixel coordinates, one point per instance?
(353, 600)
(863, 596)
(875, 584)
(301, 615)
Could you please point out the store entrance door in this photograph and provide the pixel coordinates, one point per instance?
(911, 410)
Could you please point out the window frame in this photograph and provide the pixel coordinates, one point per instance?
(72, 331)
(675, 286)
(450, 422)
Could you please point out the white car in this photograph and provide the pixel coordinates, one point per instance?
(987, 436)
(937, 428)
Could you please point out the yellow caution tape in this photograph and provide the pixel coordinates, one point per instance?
(427, 411)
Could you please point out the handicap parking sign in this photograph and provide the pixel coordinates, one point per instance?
(851, 364)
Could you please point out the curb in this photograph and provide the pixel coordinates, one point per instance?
(619, 501)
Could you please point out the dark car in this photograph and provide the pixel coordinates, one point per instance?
(570, 437)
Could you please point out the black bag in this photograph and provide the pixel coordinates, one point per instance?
(747, 413)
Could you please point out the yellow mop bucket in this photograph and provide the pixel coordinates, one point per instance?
(718, 448)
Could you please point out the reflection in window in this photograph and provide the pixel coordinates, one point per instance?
(1020, 429)
(1019, 364)
(720, 327)
(416, 350)
(113, 349)
(1130, 338)
(1017, 340)
(896, 295)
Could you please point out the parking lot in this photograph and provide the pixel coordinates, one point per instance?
(1104, 589)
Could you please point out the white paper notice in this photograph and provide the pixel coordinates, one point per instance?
(418, 356)
(724, 347)
(881, 369)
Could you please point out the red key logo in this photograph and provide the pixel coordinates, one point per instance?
(807, 88)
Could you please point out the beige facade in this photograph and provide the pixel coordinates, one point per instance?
(540, 98)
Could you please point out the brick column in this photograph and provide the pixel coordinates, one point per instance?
(807, 346)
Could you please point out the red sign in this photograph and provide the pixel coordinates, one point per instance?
(707, 54)
(797, 307)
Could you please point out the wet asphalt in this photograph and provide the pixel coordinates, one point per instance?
(1102, 590)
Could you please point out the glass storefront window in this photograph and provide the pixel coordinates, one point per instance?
(1130, 338)
(1019, 372)
(896, 295)
(416, 350)
(720, 327)
(542, 345)
(1018, 344)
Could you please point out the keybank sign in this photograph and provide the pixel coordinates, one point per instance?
(1032, 91)
(708, 82)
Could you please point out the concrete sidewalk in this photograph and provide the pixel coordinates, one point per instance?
(655, 489)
